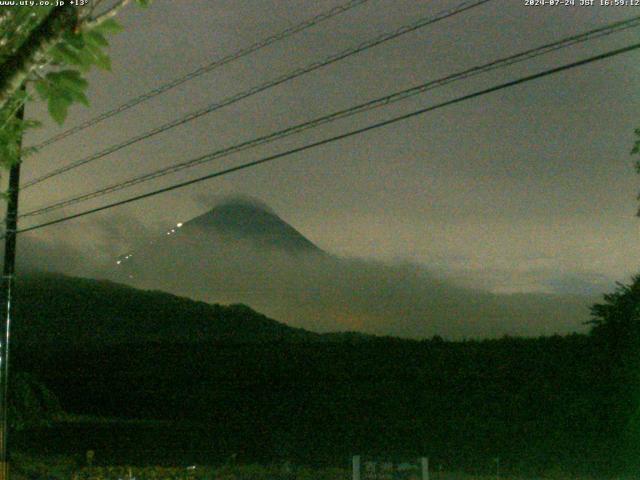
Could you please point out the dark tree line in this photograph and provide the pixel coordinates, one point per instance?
(540, 404)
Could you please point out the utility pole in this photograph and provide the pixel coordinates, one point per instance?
(6, 303)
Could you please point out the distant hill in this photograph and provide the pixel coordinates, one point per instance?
(56, 309)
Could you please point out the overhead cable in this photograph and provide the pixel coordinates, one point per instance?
(464, 6)
(335, 138)
(217, 63)
(372, 104)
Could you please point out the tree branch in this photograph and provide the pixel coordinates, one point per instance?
(110, 13)
(17, 68)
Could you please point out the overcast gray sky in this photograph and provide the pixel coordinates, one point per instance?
(527, 189)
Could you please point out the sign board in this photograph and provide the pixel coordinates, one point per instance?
(376, 469)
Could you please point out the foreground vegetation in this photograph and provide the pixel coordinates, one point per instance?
(563, 404)
(59, 468)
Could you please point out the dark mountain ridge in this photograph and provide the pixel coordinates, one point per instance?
(61, 310)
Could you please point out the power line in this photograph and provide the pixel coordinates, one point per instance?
(464, 6)
(376, 103)
(205, 69)
(351, 133)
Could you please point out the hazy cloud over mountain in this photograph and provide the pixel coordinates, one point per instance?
(242, 252)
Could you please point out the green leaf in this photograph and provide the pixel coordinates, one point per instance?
(96, 38)
(100, 58)
(58, 108)
(55, 85)
(143, 3)
(76, 40)
(79, 97)
(62, 92)
(69, 79)
(68, 55)
(82, 98)
(42, 87)
(69, 85)
(87, 59)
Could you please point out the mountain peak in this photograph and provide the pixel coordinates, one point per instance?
(248, 219)
(243, 202)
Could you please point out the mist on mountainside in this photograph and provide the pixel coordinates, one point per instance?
(242, 252)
